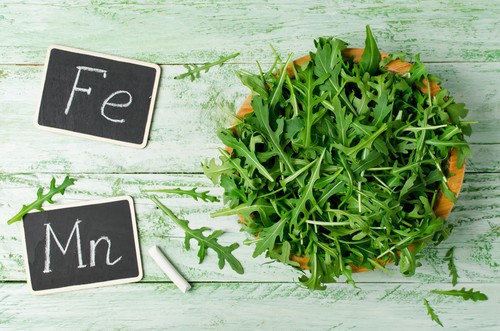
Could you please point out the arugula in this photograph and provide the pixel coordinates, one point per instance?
(194, 70)
(223, 252)
(203, 195)
(451, 265)
(340, 162)
(431, 313)
(268, 236)
(250, 157)
(213, 170)
(464, 294)
(42, 198)
(327, 63)
(371, 55)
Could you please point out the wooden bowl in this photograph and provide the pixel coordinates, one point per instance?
(443, 205)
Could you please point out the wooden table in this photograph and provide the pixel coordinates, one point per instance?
(459, 40)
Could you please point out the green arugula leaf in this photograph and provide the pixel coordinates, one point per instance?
(223, 252)
(342, 121)
(282, 254)
(267, 237)
(213, 170)
(431, 313)
(308, 99)
(449, 257)
(276, 93)
(254, 82)
(314, 282)
(42, 198)
(327, 60)
(233, 191)
(365, 143)
(371, 55)
(250, 158)
(456, 111)
(203, 195)
(248, 182)
(261, 111)
(382, 109)
(306, 193)
(246, 210)
(194, 70)
(464, 294)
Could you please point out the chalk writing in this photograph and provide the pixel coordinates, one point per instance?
(118, 105)
(88, 90)
(49, 233)
(98, 96)
(93, 245)
(80, 89)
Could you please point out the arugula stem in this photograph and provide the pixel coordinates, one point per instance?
(328, 223)
(383, 184)
(429, 127)
(365, 153)
(366, 141)
(192, 193)
(299, 172)
(395, 246)
(270, 193)
(379, 169)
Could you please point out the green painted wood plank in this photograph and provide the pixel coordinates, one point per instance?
(187, 116)
(246, 307)
(476, 235)
(175, 32)
(192, 31)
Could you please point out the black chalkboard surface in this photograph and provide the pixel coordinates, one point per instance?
(98, 96)
(82, 245)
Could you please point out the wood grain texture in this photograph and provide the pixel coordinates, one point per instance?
(458, 40)
(476, 218)
(200, 107)
(198, 31)
(261, 306)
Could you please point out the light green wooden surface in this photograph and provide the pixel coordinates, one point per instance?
(458, 39)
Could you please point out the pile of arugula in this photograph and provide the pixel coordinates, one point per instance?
(340, 162)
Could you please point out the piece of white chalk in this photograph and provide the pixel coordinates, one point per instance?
(169, 269)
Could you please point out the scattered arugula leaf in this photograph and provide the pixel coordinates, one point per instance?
(203, 195)
(451, 265)
(194, 70)
(432, 313)
(463, 293)
(371, 55)
(340, 162)
(224, 253)
(41, 198)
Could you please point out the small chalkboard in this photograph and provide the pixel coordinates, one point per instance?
(98, 96)
(81, 245)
